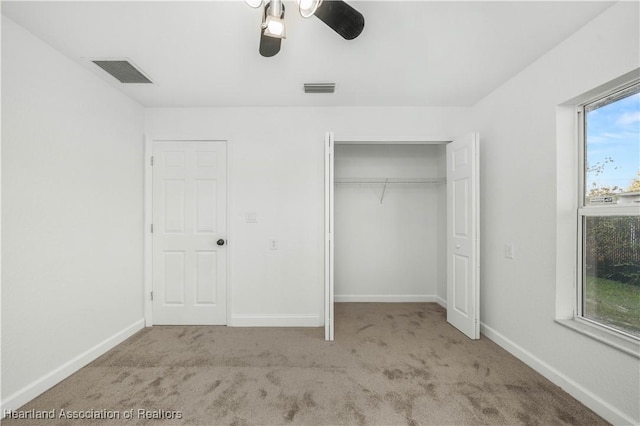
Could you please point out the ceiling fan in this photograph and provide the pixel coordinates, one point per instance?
(338, 15)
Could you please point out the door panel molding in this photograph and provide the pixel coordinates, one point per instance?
(203, 226)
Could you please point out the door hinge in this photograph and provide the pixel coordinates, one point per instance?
(152, 296)
(152, 160)
(152, 228)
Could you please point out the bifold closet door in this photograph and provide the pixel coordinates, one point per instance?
(463, 293)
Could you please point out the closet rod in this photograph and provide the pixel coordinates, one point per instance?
(355, 180)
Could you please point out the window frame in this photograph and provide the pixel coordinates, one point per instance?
(584, 210)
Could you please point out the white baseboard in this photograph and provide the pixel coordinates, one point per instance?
(32, 390)
(597, 404)
(440, 301)
(276, 321)
(385, 298)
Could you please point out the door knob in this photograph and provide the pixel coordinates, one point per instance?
(220, 242)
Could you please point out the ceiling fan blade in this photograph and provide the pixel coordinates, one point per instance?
(269, 46)
(341, 17)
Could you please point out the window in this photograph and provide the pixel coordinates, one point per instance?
(609, 212)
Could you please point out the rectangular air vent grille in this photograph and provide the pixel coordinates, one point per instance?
(123, 71)
(319, 87)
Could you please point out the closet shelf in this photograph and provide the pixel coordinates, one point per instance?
(376, 180)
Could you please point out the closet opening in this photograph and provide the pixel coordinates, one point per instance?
(402, 225)
(390, 221)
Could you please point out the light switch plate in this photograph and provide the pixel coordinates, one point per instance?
(251, 217)
(508, 251)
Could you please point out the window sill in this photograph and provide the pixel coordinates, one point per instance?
(624, 344)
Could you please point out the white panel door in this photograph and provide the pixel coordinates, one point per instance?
(463, 293)
(189, 232)
(328, 232)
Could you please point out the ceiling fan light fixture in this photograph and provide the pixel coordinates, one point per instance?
(254, 3)
(274, 27)
(346, 21)
(308, 7)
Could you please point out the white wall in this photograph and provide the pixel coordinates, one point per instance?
(517, 124)
(276, 170)
(72, 209)
(394, 250)
(71, 216)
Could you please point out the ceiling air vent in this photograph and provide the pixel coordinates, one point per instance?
(319, 87)
(123, 71)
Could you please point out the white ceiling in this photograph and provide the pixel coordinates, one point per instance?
(205, 53)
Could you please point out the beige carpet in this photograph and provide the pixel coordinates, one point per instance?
(391, 364)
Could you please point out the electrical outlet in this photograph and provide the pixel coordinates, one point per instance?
(273, 245)
(509, 252)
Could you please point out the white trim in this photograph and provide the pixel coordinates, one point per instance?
(609, 336)
(32, 390)
(619, 83)
(579, 284)
(148, 241)
(1, 328)
(442, 302)
(329, 288)
(567, 229)
(582, 394)
(311, 320)
(229, 237)
(613, 210)
(580, 122)
(385, 298)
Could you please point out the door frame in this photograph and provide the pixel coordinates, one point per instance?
(148, 220)
(329, 269)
